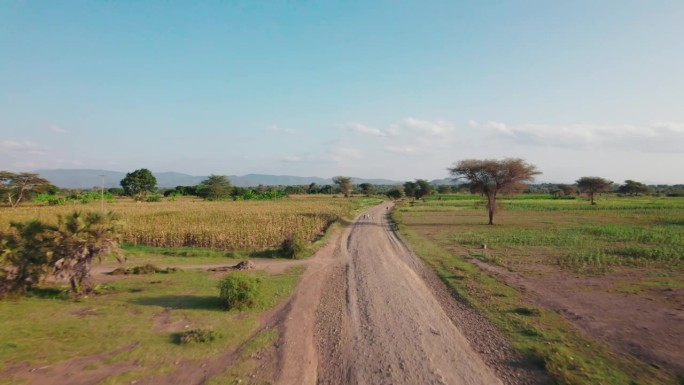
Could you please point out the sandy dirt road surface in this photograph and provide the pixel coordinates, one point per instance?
(378, 322)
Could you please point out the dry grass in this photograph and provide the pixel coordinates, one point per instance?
(240, 225)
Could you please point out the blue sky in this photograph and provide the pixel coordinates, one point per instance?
(394, 89)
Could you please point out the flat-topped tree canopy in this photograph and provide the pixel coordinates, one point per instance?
(491, 176)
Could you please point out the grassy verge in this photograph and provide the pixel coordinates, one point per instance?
(543, 335)
(145, 312)
(241, 371)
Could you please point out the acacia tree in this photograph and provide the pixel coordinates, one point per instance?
(344, 182)
(491, 177)
(139, 183)
(592, 185)
(216, 187)
(633, 188)
(15, 187)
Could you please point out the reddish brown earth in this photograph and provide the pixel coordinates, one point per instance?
(648, 325)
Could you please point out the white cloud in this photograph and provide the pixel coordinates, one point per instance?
(10, 146)
(655, 137)
(437, 127)
(498, 126)
(341, 152)
(58, 129)
(362, 129)
(403, 150)
(293, 158)
(284, 131)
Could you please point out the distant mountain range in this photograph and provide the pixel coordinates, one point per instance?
(88, 178)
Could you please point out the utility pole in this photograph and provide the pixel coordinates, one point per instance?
(102, 193)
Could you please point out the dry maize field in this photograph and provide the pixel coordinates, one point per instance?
(187, 222)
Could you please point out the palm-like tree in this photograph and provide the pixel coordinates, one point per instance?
(82, 237)
(25, 253)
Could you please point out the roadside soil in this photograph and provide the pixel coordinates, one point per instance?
(647, 324)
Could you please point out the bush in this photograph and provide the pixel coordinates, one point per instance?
(239, 290)
(144, 269)
(153, 198)
(292, 247)
(197, 336)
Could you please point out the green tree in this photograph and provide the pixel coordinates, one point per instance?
(139, 183)
(634, 188)
(367, 189)
(16, 187)
(410, 189)
(592, 185)
(394, 192)
(491, 177)
(313, 189)
(444, 189)
(344, 183)
(25, 254)
(80, 238)
(423, 188)
(216, 187)
(32, 249)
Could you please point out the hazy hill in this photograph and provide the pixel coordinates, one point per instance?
(88, 178)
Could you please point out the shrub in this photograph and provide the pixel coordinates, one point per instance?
(292, 247)
(153, 198)
(197, 336)
(143, 269)
(239, 290)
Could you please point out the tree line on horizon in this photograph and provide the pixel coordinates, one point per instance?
(142, 186)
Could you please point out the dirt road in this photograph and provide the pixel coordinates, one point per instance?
(378, 322)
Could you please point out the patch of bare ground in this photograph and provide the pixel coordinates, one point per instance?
(164, 324)
(646, 323)
(77, 371)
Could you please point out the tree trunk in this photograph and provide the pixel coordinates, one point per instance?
(491, 206)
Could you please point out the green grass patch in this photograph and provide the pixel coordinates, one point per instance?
(241, 370)
(45, 327)
(638, 231)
